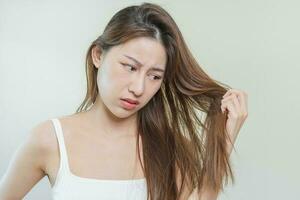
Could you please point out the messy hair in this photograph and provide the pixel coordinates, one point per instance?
(182, 127)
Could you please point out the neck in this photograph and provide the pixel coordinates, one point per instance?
(100, 118)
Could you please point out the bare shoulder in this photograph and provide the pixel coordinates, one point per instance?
(27, 165)
(43, 136)
(41, 141)
(43, 133)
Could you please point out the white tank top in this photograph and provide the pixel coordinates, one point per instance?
(68, 186)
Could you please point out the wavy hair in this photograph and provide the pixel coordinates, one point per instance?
(182, 127)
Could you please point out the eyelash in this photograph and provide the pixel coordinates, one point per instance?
(158, 77)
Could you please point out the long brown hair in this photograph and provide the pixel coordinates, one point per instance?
(177, 140)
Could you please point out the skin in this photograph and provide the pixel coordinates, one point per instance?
(107, 131)
(120, 77)
(235, 103)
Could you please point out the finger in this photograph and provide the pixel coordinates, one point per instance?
(224, 102)
(223, 105)
(232, 111)
(242, 97)
(227, 93)
(233, 98)
(237, 105)
(244, 103)
(229, 96)
(230, 91)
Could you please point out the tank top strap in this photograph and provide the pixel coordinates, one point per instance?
(61, 143)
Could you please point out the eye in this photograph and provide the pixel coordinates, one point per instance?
(130, 66)
(156, 77)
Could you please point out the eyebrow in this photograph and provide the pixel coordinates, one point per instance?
(140, 64)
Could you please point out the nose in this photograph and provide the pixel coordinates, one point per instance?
(137, 85)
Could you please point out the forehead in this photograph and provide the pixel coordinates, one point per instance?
(146, 50)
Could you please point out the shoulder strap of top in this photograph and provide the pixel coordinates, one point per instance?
(61, 143)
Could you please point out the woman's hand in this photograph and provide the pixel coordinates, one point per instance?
(235, 102)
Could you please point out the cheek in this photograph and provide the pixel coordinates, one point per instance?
(111, 80)
(104, 84)
(151, 92)
(120, 75)
(116, 72)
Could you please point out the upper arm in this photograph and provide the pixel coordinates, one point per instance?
(27, 165)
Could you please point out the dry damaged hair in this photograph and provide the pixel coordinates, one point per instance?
(182, 127)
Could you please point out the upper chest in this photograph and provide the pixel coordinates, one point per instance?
(99, 150)
(92, 156)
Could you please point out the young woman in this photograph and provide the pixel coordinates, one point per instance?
(140, 130)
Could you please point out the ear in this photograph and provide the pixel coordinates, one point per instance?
(96, 56)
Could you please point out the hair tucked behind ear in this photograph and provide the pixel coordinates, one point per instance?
(182, 127)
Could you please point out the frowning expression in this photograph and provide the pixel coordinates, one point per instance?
(133, 70)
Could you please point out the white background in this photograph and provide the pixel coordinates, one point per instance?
(250, 45)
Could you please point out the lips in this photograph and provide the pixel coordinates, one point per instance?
(127, 105)
(131, 101)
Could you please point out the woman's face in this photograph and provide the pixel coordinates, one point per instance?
(131, 70)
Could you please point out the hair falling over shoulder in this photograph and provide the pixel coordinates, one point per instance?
(182, 127)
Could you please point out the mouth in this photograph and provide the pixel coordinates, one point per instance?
(132, 101)
(128, 105)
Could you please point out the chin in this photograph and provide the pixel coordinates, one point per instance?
(122, 113)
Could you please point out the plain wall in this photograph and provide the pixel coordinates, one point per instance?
(249, 45)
